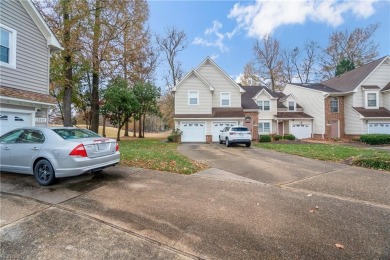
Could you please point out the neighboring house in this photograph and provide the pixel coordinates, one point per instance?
(207, 100)
(25, 48)
(355, 103)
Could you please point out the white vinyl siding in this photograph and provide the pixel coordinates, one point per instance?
(181, 97)
(32, 52)
(353, 123)
(313, 103)
(386, 99)
(221, 84)
(266, 114)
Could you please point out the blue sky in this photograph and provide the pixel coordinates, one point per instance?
(227, 30)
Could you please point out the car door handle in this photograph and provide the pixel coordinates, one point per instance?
(6, 148)
(35, 148)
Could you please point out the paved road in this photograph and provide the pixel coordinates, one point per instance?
(130, 213)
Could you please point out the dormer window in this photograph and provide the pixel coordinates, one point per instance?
(264, 105)
(372, 99)
(225, 99)
(193, 97)
(291, 105)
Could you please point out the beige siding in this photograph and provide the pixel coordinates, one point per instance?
(313, 104)
(181, 97)
(353, 123)
(380, 77)
(221, 84)
(32, 53)
(386, 99)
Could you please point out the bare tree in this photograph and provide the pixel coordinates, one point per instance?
(357, 46)
(250, 77)
(171, 44)
(266, 53)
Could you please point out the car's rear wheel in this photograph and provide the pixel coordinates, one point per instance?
(220, 141)
(44, 173)
(248, 144)
(227, 142)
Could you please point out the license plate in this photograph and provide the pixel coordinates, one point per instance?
(102, 146)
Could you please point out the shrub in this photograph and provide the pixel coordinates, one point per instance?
(264, 138)
(375, 162)
(375, 139)
(175, 135)
(289, 137)
(277, 137)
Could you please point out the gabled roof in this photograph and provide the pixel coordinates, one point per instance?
(350, 80)
(25, 95)
(247, 101)
(292, 115)
(316, 86)
(217, 112)
(30, 8)
(209, 60)
(386, 88)
(196, 74)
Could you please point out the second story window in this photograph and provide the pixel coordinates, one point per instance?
(193, 97)
(334, 104)
(264, 105)
(225, 99)
(291, 105)
(7, 47)
(372, 101)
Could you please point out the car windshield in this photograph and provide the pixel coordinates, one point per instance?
(75, 133)
(240, 129)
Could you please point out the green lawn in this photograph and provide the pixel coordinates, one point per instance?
(156, 155)
(359, 156)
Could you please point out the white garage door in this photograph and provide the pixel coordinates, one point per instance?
(218, 126)
(379, 128)
(12, 120)
(193, 131)
(301, 131)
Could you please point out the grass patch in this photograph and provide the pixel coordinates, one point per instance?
(363, 157)
(157, 155)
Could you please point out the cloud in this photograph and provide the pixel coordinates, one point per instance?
(264, 16)
(213, 37)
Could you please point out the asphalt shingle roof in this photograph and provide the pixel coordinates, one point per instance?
(387, 87)
(26, 95)
(381, 112)
(292, 115)
(317, 86)
(217, 112)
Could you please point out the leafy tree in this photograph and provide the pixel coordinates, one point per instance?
(344, 66)
(146, 95)
(119, 103)
(250, 77)
(357, 46)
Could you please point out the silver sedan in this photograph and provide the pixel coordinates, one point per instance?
(50, 153)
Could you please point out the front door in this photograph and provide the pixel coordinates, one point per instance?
(334, 129)
(280, 128)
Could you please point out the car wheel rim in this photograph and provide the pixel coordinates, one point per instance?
(43, 172)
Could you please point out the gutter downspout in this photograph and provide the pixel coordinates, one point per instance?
(325, 96)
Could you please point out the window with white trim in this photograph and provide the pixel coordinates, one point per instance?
(7, 47)
(372, 100)
(193, 97)
(334, 104)
(265, 127)
(225, 99)
(264, 105)
(291, 105)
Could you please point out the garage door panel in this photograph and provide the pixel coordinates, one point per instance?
(301, 131)
(379, 128)
(218, 126)
(12, 120)
(193, 131)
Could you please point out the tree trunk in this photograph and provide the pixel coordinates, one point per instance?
(67, 101)
(104, 125)
(134, 128)
(127, 127)
(140, 127)
(143, 128)
(95, 70)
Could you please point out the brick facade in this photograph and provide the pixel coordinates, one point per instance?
(334, 116)
(253, 125)
(209, 138)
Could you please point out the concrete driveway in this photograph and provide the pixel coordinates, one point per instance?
(130, 213)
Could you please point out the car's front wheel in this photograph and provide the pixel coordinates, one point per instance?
(220, 140)
(44, 173)
(227, 142)
(248, 144)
